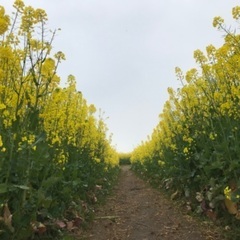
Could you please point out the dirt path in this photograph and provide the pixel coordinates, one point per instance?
(135, 211)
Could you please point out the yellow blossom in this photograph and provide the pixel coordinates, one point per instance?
(3, 149)
(217, 22)
(236, 12)
(2, 106)
(212, 136)
(4, 21)
(161, 163)
(227, 192)
(185, 150)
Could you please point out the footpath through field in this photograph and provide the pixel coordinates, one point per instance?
(135, 211)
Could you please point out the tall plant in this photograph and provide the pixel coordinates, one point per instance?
(55, 156)
(195, 146)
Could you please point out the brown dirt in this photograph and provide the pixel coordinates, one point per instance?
(135, 211)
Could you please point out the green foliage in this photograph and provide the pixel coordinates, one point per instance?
(195, 147)
(124, 158)
(56, 158)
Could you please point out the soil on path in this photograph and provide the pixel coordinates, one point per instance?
(135, 211)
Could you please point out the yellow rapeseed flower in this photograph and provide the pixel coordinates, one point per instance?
(227, 192)
(212, 136)
(236, 12)
(2, 106)
(24, 138)
(217, 22)
(3, 149)
(185, 150)
(4, 21)
(161, 163)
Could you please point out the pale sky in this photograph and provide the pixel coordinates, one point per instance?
(123, 53)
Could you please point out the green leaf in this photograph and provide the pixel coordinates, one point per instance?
(50, 182)
(22, 187)
(3, 188)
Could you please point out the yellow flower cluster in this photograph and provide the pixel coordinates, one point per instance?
(227, 192)
(68, 119)
(236, 12)
(51, 142)
(2, 148)
(4, 21)
(200, 121)
(212, 136)
(27, 142)
(217, 22)
(30, 94)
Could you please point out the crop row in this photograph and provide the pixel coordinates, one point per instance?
(195, 148)
(56, 159)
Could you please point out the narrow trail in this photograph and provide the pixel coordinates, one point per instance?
(135, 211)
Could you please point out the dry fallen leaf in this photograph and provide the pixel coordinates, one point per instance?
(98, 187)
(212, 215)
(199, 196)
(70, 225)
(7, 217)
(231, 206)
(77, 221)
(61, 224)
(39, 227)
(174, 195)
(203, 205)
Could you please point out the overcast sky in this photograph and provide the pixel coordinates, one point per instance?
(123, 53)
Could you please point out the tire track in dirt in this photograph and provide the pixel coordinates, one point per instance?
(135, 211)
